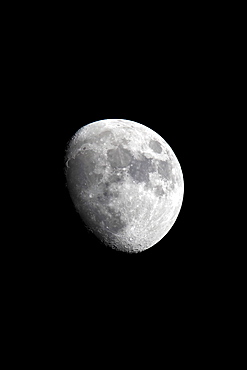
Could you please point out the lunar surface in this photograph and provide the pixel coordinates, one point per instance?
(125, 181)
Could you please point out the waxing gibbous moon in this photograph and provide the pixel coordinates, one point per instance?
(125, 181)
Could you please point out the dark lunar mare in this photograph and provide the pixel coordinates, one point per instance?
(155, 146)
(119, 157)
(158, 191)
(80, 175)
(106, 136)
(140, 168)
(96, 212)
(102, 218)
(165, 170)
(102, 213)
(105, 194)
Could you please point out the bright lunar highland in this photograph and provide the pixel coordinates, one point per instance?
(125, 181)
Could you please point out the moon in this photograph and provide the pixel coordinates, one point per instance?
(125, 182)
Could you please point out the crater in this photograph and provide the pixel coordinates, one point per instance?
(155, 146)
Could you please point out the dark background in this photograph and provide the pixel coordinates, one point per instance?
(66, 78)
(166, 109)
(166, 90)
(163, 71)
(76, 257)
